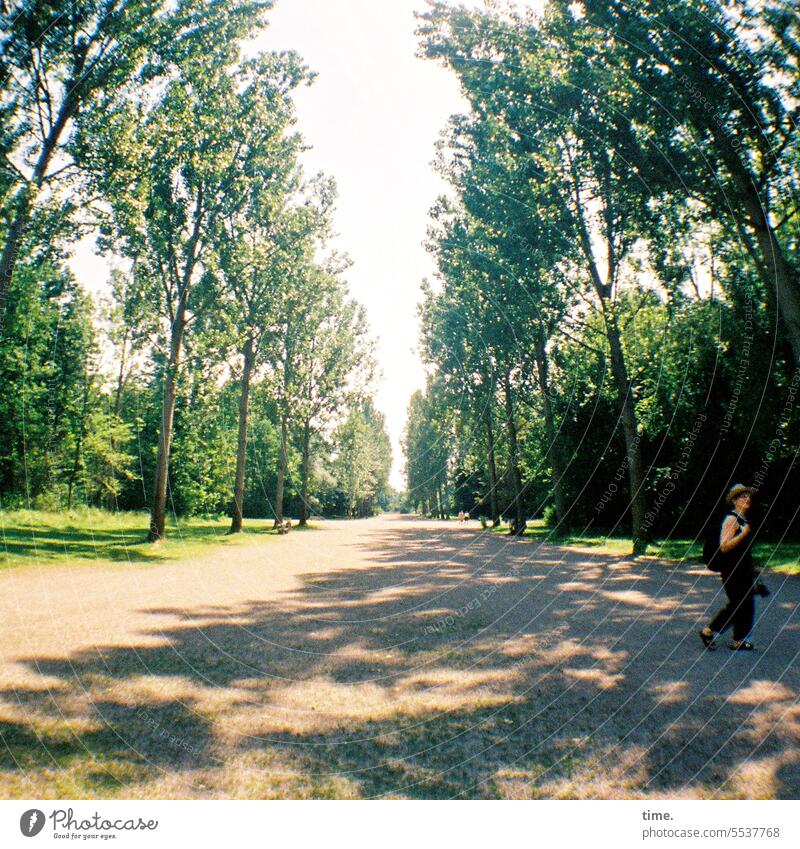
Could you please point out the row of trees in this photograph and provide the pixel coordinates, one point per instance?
(229, 335)
(614, 332)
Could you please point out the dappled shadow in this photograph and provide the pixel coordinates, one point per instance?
(442, 663)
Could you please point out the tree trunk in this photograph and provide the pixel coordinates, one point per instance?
(554, 453)
(159, 510)
(776, 272)
(76, 463)
(513, 456)
(111, 500)
(8, 260)
(281, 475)
(630, 431)
(26, 199)
(492, 467)
(121, 375)
(619, 370)
(241, 447)
(306, 459)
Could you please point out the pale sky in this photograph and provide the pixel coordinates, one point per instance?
(373, 116)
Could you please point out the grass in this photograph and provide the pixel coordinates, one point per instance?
(773, 556)
(37, 537)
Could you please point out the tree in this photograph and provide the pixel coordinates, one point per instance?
(294, 330)
(63, 64)
(363, 461)
(47, 366)
(534, 90)
(333, 367)
(427, 444)
(458, 337)
(172, 173)
(713, 90)
(260, 246)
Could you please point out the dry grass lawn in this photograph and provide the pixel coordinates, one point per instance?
(391, 658)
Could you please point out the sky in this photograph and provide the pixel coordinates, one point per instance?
(372, 118)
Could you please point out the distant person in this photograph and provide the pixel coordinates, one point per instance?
(461, 517)
(738, 574)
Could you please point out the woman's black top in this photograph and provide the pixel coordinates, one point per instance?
(740, 560)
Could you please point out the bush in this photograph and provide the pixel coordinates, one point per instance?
(12, 501)
(48, 502)
(549, 516)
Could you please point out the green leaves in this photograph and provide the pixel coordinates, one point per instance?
(612, 157)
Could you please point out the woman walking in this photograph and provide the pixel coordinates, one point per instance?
(737, 573)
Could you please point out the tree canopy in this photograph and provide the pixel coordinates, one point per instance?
(614, 255)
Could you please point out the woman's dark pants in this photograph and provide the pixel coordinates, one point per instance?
(740, 609)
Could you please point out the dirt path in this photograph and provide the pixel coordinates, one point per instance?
(391, 657)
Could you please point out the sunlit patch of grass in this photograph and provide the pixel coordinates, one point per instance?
(537, 530)
(779, 557)
(783, 557)
(37, 537)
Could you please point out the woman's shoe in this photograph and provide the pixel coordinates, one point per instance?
(741, 645)
(761, 589)
(707, 636)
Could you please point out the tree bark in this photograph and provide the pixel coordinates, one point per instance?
(159, 510)
(492, 467)
(619, 370)
(554, 453)
(306, 460)
(279, 485)
(8, 260)
(776, 272)
(241, 447)
(513, 452)
(631, 434)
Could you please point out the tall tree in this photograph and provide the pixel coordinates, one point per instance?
(259, 247)
(713, 90)
(363, 461)
(169, 190)
(301, 301)
(334, 368)
(531, 86)
(428, 447)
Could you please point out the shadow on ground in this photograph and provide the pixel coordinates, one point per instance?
(450, 665)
